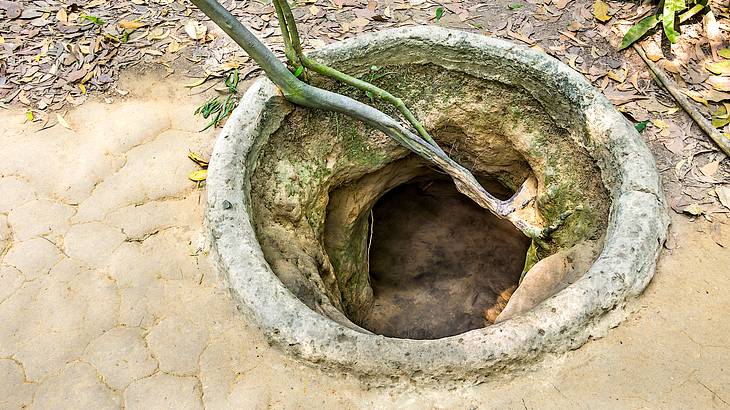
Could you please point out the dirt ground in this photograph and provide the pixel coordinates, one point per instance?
(431, 243)
(108, 300)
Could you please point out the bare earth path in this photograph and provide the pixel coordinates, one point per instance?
(107, 298)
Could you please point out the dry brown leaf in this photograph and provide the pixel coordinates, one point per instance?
(560, 4)
(694, 209)
(696, 96)
(195, 30)
(720, 67)
(360, 22)
(619, 77)
(720, 83)
(710, 168)
(600, 11)
(62, 16)
(63, 122)
(723, 194)
(131, 25)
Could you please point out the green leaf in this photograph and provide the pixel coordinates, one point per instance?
(530, 260)
(515, 6)
(725, 53)
(691, 12)
(638, 31)
(439, 13)
(671, 7)
(299, 71)
(232, 81)
(641, 126)
(93, 19)
(720, 118)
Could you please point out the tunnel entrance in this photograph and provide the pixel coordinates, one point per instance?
(438, 261)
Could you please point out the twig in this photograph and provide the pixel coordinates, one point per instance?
(669, 84)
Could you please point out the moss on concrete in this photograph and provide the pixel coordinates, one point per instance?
(496, 130)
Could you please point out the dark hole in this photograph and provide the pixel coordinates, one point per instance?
(438, 261)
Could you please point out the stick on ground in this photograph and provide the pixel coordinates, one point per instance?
(722, 142)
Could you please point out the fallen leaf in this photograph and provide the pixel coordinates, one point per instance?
(199, 175)
(560, 4)
(195, 30)
(63, 122)
(671, 7)
(716, 96)
(725, 53)
(710, 168)
(197, 158)
(723, 194)
(719, 83)
(29, 116)
(198, 82)
(721, 117)
(12, 9)
(637, 31)
(600, 11)
(131, 25)
(696, 96)
(619, 77)
(694, 209)
(439, 13)
(641, 126)
(720, 68)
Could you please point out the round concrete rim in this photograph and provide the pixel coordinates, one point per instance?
(637, 228)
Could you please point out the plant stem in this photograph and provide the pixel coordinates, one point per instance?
(291, 28)
(289, 51)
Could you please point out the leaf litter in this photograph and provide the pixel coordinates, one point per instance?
(57, 53)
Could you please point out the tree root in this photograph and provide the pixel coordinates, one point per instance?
(520, 210)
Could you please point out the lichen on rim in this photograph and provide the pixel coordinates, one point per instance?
(636, 229)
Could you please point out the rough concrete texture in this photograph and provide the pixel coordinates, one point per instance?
(75, 336)
(637, 225)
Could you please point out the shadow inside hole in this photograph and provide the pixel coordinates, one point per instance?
(438, 260)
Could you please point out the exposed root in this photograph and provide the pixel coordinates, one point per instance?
(520, 209)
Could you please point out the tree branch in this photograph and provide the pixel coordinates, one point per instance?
(521, 209)
(361, 85)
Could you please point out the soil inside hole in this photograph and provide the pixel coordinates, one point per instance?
(438, 260)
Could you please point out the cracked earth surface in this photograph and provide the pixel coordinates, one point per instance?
(108, 299)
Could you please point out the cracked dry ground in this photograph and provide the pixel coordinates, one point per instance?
(108, 299)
